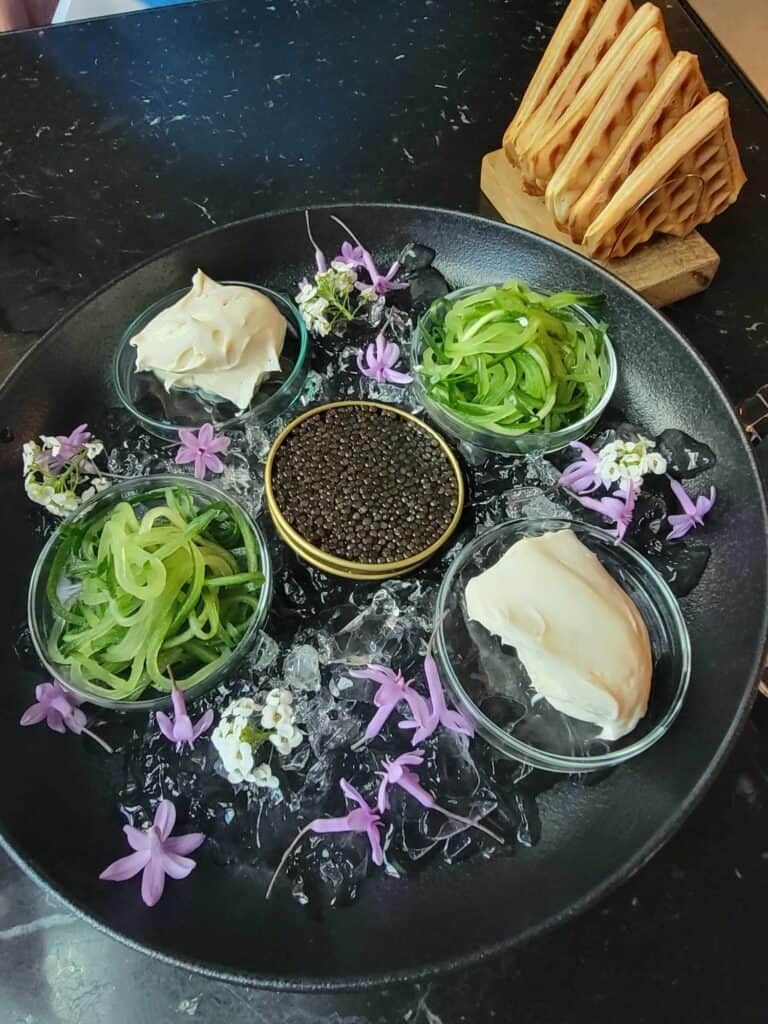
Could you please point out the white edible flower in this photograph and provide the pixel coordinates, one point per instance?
(284, 742)
(274, 698)
(93, 448)
(316, 308)
(281, 743)
(263, 777)
(273, 717)
(306, 293)
(627, 462)
(29, 452)
(286, 698)
(51, 444)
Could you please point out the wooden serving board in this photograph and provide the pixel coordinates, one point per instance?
(662, 271)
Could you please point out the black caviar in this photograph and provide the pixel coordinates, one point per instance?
(364, 484)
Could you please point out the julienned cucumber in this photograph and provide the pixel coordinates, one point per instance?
(509, 360)
(160, 597)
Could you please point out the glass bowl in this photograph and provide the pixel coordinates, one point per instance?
(144, 493)
(490, 685)
(534, 442)
(162, 412)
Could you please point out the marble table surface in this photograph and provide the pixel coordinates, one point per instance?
(122, 136)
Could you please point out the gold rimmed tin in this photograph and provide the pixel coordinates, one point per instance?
(340, 566)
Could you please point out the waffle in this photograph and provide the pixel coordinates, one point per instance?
(609, 120)
(542, 158)
(571, 30)
(678, 89)
(607, 25)
(701, 144)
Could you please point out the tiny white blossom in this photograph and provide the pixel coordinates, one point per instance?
(93, 448)
(29, 452)
(281, 743)
(263, 777)
(273, 717)
(306, 292)
(274, 698)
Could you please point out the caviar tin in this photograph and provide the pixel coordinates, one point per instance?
(339, 566)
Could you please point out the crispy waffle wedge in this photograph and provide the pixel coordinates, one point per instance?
(609, 120)
(680, 87)
(542, 158)
(692, 174)
(570, 32)
(612, 18)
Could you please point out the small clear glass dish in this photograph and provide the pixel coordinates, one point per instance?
(162, 412)
(534, 442)
(144, 493)
(490, 685)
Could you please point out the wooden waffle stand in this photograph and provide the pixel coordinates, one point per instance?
(662, 271)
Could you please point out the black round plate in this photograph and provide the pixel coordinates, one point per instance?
(57, 814)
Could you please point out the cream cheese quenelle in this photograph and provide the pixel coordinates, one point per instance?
(220, 338)
(580, 637)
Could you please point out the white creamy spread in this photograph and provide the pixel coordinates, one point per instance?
(580, 637)
(220, 338)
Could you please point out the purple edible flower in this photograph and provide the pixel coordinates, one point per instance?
(70, 445)
(60, 710)
(381, 284)
(398, 773)
(202, 448)
(350, 255)
(392, 689)
(362, 819)
(619, 507)
(156, 853)
(379, 360)
(435, 711)
(693, 512)
(180, 730)
(581, 476)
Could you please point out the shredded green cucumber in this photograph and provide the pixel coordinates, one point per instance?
(509, 360)
(164, 596)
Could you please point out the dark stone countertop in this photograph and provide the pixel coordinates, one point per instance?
(122, 136)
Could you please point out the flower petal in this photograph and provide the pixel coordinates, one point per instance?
(165, 725)
(126, 867)
(34, 714)
(396, 377)
(153, 881)
(137, 838)
(391, 353)
(199, 466)
(187, 437)
(165, 818)
(375, 841)
(203, 725)
(382, 801)
(183, 845)
(219, 444)
(351, 793)
(176, 866)
(205, 435)
(213, 462)
(323, 825)
(184, 455)
(682, 496)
